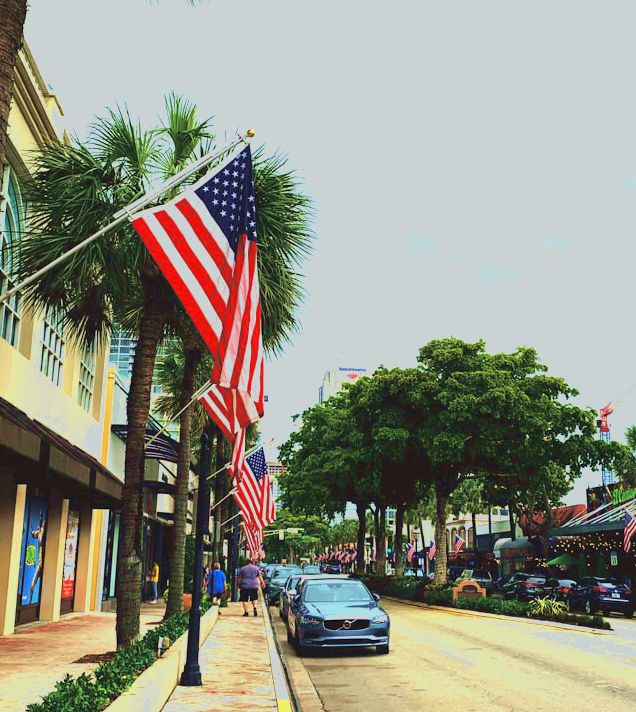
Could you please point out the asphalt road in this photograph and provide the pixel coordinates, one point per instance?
(458, 662)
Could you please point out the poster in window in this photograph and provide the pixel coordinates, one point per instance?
(33, 537)
(70, 555)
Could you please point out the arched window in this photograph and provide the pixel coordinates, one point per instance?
(12, 225)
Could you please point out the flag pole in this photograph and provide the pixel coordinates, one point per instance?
(126, 213)
(198, 393)
(228, 464)
(238, 514)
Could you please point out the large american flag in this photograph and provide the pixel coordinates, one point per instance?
(630, 530)
(254, 491)
(204, 242)
(459, 543)
(410, 550)
(431, 550)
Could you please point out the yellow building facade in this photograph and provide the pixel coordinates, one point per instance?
(55, 414)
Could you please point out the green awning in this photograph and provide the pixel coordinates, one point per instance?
(564, 560)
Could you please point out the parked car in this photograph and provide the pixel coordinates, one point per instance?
(524, 587)
(480, 576)
(287, 592)
(277, 580)
(557, 589)
(332, 569)
(311, 569)
(607, 595)
(336, 611)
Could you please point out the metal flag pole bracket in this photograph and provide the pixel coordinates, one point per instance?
(229, 494)
(238, 514)
(197, 394)
(127, 212)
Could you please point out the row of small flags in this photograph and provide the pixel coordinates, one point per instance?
(342, 557)
(204, 242)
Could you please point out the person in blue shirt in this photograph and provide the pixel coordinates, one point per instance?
(216, 583)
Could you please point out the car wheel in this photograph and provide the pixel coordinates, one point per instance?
(300, 649)
(382, 649)
(629, 614)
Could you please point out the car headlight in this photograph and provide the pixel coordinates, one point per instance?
(382, 618)
(310, 620)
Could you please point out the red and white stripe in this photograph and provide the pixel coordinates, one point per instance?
(253, 539)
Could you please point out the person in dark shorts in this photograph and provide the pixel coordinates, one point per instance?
(249, 581)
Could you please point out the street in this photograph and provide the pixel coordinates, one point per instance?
(457, 662)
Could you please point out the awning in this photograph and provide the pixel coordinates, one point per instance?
(23, 436)
(564, 560)
(162, 448)
(518, 547)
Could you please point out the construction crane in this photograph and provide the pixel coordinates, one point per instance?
(602, 423)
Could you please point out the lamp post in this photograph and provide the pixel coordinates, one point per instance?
(191, 674)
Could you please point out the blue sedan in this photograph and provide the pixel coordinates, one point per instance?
(336, 611)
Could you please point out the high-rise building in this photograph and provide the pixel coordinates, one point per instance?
(335, 378)
(274, 470)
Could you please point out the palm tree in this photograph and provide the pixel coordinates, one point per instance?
(180, 372)
(77, 188)
(13, 14)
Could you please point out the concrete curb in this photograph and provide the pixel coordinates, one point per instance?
(152, 689)
(280, 674)
(300, 690)
(496, 616)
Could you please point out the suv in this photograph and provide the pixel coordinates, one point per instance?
(602, 594)
(524, 587)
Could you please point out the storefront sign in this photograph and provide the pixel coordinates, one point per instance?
(70, 554)
(613, 558)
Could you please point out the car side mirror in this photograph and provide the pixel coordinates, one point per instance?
(376, 596)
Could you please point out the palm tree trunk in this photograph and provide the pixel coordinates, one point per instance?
(177, 561)
(362, 529)
(129, 560)
(511, 517)
(399, 526)
(441, 553)
(217, 549)
(472, 514)
(12, 16)
(380, 552)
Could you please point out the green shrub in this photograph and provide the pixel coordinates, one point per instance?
(494, 605)
(90, 693)
(546, 608)
(437, 595)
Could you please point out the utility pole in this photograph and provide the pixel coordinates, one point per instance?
(191, 674)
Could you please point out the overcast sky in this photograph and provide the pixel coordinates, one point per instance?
(473, 164)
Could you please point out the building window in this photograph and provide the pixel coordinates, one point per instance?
(12, 222)
(52, 358)
(86, 377)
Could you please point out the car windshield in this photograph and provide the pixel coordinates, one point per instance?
(536, 579)
(336, 592)
(607, 583)
(311, 569)
(286, 571)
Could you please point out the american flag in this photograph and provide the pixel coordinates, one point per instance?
(630, 530)
(410, 550)
(431, 550)
(459, 543)
(253, 539)
(254, 491)
(204, 242)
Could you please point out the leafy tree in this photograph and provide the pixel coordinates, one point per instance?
(76, 189)
(312, 537)
(327, 465)
(499, 418)
(469, 498)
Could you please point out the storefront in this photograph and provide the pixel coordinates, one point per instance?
(70, 558)
(31, 558)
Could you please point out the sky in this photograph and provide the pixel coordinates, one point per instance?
(472, 164)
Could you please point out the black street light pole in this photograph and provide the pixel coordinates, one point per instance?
(235, 557)
(191, 674)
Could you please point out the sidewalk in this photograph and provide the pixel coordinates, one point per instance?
(34, 658)
(235, 667)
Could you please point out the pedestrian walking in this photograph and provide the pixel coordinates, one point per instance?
(154, 582)
(216, 583)
(249, 580)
